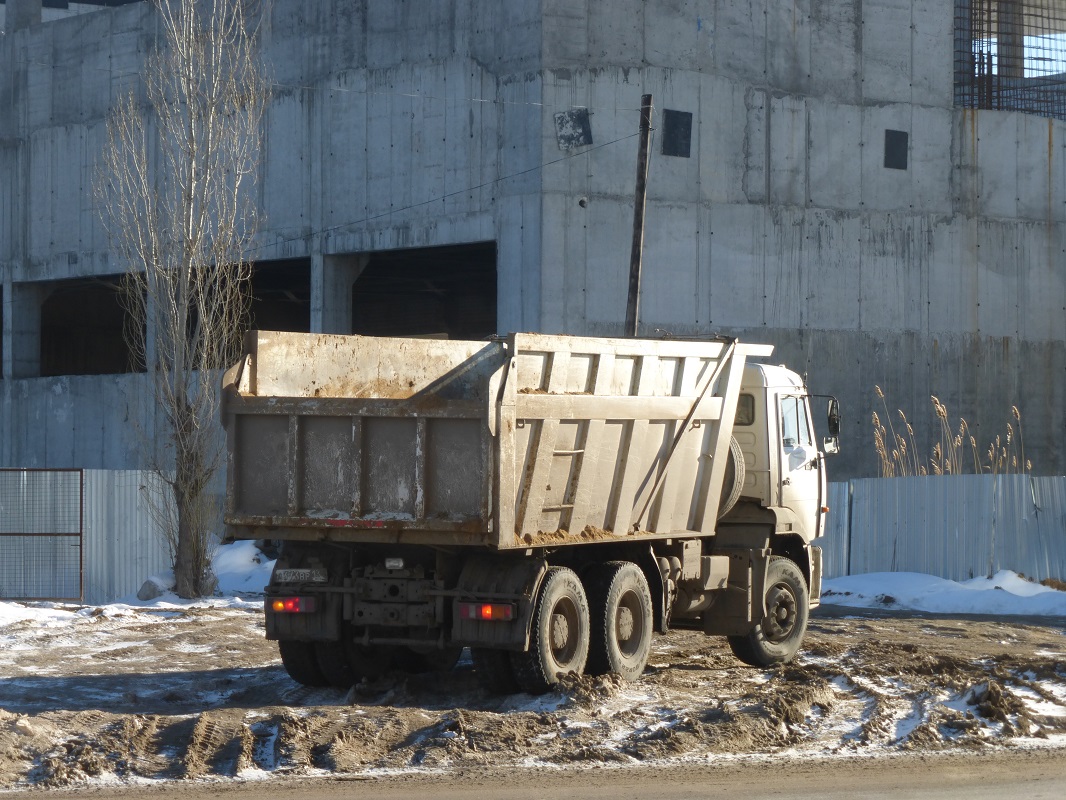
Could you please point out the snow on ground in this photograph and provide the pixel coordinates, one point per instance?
(1005, 593)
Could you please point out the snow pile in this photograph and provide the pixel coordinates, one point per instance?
(241, 569)
(1005, 593)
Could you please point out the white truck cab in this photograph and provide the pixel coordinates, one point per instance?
(775, 432)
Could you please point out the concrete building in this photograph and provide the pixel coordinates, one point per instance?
(30, 12)
(842, 178)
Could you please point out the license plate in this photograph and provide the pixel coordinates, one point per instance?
(316, 575)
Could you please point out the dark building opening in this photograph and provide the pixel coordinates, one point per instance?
(281, 295)
(677, 133)
(896, 149)
(445, 292)
(83, 329)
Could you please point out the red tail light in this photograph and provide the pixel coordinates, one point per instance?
(293, 605)
(502, 612)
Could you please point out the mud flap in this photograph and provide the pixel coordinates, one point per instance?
(742, 604)
(815, 582)
(498, 580)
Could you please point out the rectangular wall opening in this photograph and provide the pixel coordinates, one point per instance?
(281, 295)
(83, 329)
(444, 292)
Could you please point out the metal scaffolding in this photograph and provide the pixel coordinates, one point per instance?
(1011, 55)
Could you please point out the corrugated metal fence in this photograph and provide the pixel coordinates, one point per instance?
(77, 534)
(41, 534)
(123, 543)
(952, 527)
(955, 527)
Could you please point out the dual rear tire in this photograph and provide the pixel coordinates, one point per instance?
(597, 625)
(343, 664)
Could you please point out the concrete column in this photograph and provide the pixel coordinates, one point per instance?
(5, 330)
(6, 433)
(22, 14)
(22, 329)
(332, 278)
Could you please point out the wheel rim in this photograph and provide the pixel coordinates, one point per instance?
(563, 632)
(782, 609)
(629, 624)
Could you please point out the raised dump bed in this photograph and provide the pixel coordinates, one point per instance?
(505, 443)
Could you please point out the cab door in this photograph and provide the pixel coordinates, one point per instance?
(802, 479)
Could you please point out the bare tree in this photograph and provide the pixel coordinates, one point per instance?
(174, 194)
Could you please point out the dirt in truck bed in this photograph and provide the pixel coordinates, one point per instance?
(183, 694)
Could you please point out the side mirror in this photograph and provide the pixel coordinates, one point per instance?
(831, 444)
(834, 417)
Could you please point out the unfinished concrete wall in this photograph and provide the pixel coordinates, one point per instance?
(946, 277)
(426, 122)
(390, 127)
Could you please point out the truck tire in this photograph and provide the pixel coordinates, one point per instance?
(620, 608)
(559, 639)
(346, 663)
(367, 661)
(493, 670)
(778, 637)
(333, 662)
(733, 482)
(301, 663)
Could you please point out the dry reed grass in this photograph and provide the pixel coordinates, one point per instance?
(954, 453)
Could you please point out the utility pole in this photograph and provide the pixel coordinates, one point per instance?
(637, 252)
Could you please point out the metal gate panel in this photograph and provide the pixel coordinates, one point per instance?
(42, 525)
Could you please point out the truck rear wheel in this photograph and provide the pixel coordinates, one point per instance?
(334, 664)
(368, 661)
(559, 639)
(778, 637)
(346, 663)
(301, 663)
(621, 615)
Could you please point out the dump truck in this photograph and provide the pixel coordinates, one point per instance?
(548, 501)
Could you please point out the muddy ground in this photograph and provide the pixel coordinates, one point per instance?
(185, 694)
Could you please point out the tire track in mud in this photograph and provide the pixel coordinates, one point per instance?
(218, 745)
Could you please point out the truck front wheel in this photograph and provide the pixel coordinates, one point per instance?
(778, 637)
(621, 611)
(559, 639)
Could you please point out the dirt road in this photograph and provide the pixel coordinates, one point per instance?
(1034, 775)
(199, 694)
